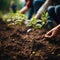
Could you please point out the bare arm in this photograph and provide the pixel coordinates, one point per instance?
(24, 9)
(43, 8)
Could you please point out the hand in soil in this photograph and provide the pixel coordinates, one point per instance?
(52, 32)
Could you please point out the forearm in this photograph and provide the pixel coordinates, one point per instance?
(43, 8)
(23, 10)
(58, 27)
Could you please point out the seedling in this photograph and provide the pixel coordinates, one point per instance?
(14, 18)
(39, 23)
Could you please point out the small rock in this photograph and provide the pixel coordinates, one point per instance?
(29, 30)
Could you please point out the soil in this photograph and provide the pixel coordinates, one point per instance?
(18, 44)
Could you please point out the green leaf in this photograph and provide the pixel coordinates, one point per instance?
(37, 26)
(33, 21)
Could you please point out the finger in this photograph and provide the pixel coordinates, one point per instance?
(49, 34)
(53, 34)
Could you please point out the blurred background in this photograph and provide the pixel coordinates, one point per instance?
(5, 5)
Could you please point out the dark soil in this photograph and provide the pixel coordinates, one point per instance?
(17, 44)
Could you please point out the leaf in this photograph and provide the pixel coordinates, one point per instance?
(33, 21)
(37, 26)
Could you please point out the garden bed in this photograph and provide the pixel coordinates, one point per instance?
(18, 44)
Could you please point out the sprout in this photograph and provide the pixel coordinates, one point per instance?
(37, 26)
(12, 18)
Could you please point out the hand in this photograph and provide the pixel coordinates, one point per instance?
(21, 11)
(52, 32)
(37, 16)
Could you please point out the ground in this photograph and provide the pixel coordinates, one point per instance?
(17, 44)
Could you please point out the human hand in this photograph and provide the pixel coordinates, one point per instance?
(52, 32)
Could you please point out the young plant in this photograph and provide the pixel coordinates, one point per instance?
(43, 21)
(39, 23)
(32, 22)
(44, 18)
(14, 18)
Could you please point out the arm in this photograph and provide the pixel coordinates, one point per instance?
(43, 8)
(24, 9)
(53, 32)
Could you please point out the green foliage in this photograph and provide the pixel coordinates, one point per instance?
(19, 19)
(39, 23)
(32, 22)
(14, 18)
(44, 18)
(37, 26)
(5, 4)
